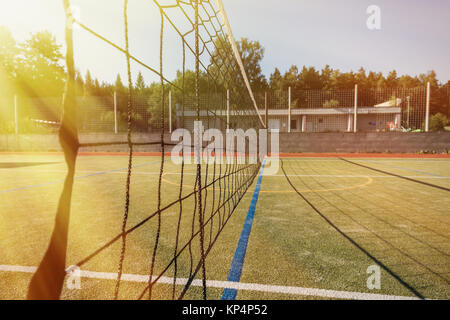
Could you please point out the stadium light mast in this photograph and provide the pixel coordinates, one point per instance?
(355, 112)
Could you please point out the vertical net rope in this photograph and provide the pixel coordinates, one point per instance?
(204, 206)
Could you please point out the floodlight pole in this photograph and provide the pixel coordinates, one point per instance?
(355, 112)
(16, 115)
(266, 120)
(289, 110)
(228, 109)
(427, 112)
(170, 111)
(116, 128)
(408, 99)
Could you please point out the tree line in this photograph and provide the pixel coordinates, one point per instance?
(35, 68)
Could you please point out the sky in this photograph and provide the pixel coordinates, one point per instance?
(414, 36)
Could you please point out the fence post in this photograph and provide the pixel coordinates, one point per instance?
(170, 111)
(408, 100)
(116, 129)
(427, 112)
(266, 120)
(349, 122)
(355, 112)
(228, 109)
(289, 110)
(16, 115)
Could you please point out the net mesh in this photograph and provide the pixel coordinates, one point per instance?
(203, 207)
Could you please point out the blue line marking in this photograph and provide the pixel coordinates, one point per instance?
(239, 255)
(76, 178)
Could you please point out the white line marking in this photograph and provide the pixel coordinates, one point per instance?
(95, 171)
(355, 176)
(323, 293)
(312, 159)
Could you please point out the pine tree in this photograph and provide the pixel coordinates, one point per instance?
(88, 84)
(118, 86)
(361, 78)
(325, 77)
(79, 88)
(392, 80)
(275, 80)
(140, 83)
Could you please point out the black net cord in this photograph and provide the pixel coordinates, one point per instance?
(130, 156)
(199, 167)
(161, 171)
(180, 213)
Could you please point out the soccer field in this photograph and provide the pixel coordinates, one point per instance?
(318, 225)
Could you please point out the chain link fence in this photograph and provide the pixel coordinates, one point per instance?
(360, 109)
(357, 110)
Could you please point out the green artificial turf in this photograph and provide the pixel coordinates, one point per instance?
(400, 224)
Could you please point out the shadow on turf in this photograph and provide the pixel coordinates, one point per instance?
(12, 165)
(383, 266)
